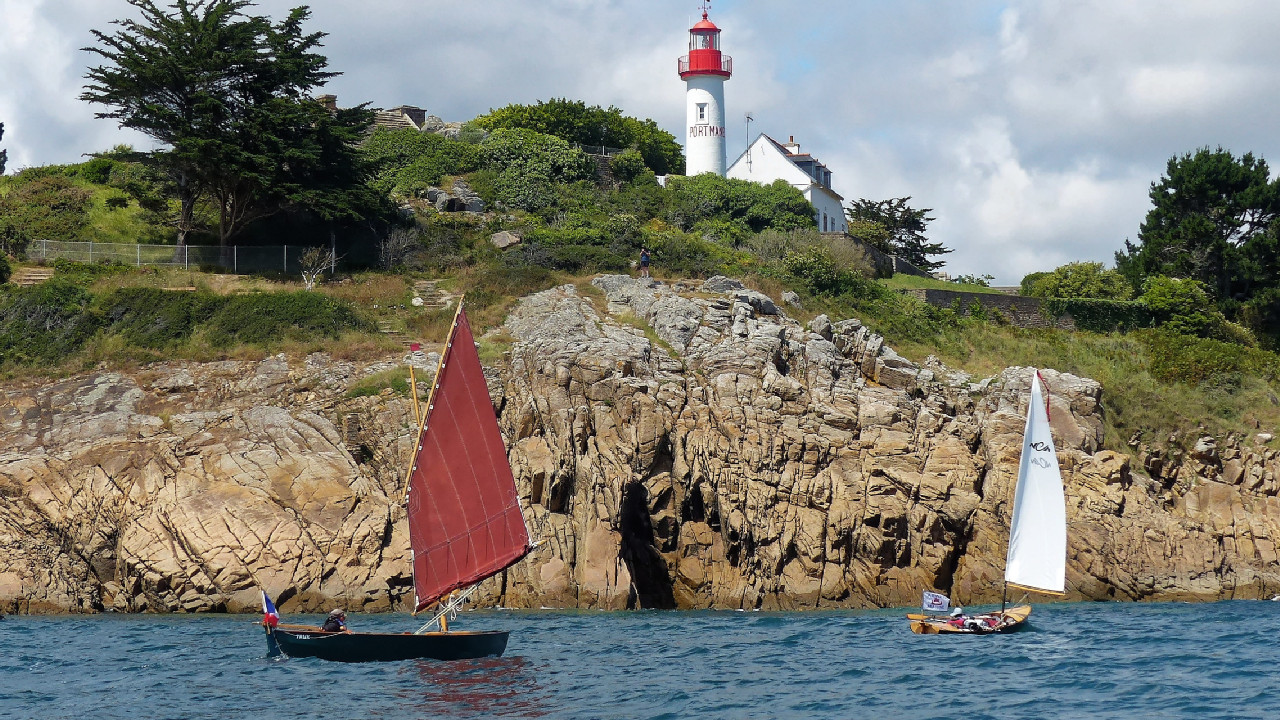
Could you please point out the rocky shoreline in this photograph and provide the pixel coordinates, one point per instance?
(729, 458)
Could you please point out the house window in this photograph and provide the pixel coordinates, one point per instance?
(702, 112)
(824, 222)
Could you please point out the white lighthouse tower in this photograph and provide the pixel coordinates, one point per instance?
(704, 71)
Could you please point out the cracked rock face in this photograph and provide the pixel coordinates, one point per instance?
(737, 460)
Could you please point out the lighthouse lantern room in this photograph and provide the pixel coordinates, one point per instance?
(704, 71)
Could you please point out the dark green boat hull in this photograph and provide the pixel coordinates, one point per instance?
(379, 647)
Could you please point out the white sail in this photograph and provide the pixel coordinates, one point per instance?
(1038, 535)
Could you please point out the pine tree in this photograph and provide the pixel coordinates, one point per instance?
(229, 94)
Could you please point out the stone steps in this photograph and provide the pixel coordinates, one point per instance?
(29, 276)
(433, 298)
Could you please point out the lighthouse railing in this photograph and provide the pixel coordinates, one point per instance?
(686, 66)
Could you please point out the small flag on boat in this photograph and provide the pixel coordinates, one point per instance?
(935, 602)
(270, 617)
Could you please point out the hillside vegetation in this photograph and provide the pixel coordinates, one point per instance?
(1191, 373)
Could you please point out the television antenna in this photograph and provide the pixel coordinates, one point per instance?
(748, 123)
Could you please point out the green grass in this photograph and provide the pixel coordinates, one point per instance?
(903, 281)
(396, 380)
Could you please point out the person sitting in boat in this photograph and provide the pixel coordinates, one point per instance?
(336, 622)
(957, 617)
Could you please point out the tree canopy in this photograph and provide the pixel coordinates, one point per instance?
(4, 154)
(1208, 210)
(576, 122)
(904, 226)
(1215, 218)
(1079, 280)
(229, 95)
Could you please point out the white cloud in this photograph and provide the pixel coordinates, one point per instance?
(1032, 127)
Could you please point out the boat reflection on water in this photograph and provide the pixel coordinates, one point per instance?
(488, 687)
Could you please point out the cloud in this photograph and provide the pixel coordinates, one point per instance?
(1033, 128)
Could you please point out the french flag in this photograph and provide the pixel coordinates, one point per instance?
(270, 617)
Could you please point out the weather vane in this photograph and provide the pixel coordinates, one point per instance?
(706, 7)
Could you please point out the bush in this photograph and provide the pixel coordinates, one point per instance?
(755, 207)
(1101, 316)
(815, 268)
(6, 271)
(48, 207)
(528, 152)
(154, 318)
(44, 324)
(97, 170)
(1079, 280)
(85, 274)
(628, 165)
(1178, 358)
(1029, 283)
(1182, 306)
(407, 161)
(579, 258)
(265, 319)
(575, 122)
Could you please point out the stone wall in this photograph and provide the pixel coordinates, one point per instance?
(1023, 312)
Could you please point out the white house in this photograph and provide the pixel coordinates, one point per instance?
(767, 160)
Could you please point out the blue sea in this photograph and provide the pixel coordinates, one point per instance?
(1095, 661)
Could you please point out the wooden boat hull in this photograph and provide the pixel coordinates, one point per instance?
(297, 642)
(1011, 620)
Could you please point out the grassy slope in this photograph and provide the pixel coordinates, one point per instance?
(1136, 398)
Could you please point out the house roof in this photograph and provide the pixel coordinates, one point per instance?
(794, 158)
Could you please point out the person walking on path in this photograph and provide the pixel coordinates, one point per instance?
(644, 262)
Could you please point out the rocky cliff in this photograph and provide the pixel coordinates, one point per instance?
(686, 446)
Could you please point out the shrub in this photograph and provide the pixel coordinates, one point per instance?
(154, 318)
(1182, 306)
(1028, 284)
(777, 206)
(529, 152)
(48, 207)
(1080, 280)
(1176, 357)
(86, 274)
(815, 268)
(575, 122)
(578, 258)
(97, 170)
(407, 161)
(266, 318)
(628, 165)
(44, 324)
(1101, 316)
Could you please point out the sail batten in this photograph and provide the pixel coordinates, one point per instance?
(465, 523)
(1037, 556)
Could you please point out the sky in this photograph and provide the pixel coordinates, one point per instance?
(1032, 128)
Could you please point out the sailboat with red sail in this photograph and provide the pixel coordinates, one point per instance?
(465, 523)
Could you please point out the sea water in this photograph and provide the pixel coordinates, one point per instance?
(1095, 661)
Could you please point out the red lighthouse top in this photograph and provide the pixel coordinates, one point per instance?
(704, 56)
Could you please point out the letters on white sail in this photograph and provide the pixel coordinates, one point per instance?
(1037, 557)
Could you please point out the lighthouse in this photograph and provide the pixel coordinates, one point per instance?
(704, 71)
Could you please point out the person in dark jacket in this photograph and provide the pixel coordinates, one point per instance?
(336, 622)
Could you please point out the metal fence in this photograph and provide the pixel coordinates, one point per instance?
(234, 258)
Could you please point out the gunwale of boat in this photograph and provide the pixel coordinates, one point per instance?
(938, 625)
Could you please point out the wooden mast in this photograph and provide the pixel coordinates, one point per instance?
(423, 416)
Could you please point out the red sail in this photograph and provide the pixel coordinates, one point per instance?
(464, 515)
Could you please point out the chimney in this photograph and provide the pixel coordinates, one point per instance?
(330, 102)
(791, 145)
